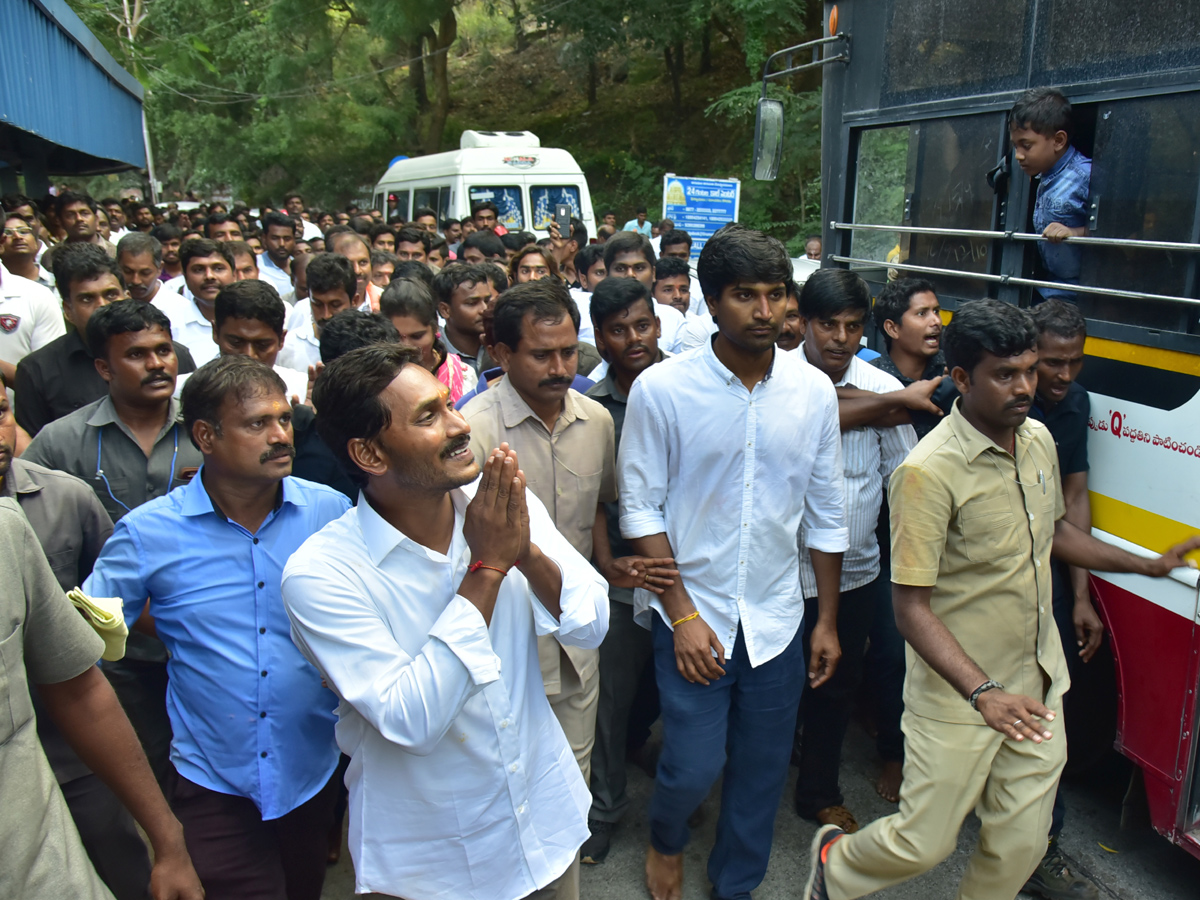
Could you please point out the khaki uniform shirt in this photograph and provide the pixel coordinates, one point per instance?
(570, 470)
(977, 525)
(43, 640)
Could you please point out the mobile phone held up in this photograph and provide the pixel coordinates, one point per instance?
(562, 216)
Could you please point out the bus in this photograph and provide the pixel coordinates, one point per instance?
(918, 179)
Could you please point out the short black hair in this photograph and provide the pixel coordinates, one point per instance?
(893, 301)
(828, 292)
(279, 220)
(671, 267)
(579, 232)
(409, 297)
(166, 232)
(673, 237)
(329, 271)
(627, 242)
(454, 276)
(120, 318)
(1043, 110)
(348, 394)
(414, 268)
(484, 204)
(411, 234)
(383, 258)
(614, 295)
(219, 219)
(81, 262)
(362, 225)
(640, 209)
(421, 211)
(497, 275)
(987, 326)
(66, 198)
(739, 254)
(287, 197)
(353, 328)
(205, 390)
(1059, 317)
(546, 299)
(202, 248)
(516, 240)
(485, 242)
(586, 258)
(11, 202)
(250, 299)
(136, 243)
(241, 248)
(381, 228)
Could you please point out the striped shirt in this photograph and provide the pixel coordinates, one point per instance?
(868, 457)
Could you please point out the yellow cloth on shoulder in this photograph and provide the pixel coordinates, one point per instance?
(106, 616)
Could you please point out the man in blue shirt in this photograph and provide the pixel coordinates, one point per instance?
(1039, 126)
(253, 748)
(640, 225)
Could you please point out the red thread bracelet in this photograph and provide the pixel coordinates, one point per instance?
(476, 566)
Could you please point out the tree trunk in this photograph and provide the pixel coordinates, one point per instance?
(592, 80)
(447, 31)
(416, 72)
(674, 59)
(517, 18)
(706, 48)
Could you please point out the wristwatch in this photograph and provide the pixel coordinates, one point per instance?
(986, 686)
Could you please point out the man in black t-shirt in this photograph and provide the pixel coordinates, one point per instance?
(1063, 407)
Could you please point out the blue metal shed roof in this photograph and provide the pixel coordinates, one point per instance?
(59, 83)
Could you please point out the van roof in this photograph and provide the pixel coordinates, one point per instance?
(485, 161)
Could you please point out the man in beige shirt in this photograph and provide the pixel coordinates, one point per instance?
(976, 511)
(567, 448)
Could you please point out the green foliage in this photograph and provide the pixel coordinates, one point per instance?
(879, 196)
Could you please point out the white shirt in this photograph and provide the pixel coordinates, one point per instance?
(275, 276)
(462, 784)
(177, 285)
(297, 382)
(188, 325)
(729, 475)
(696, 330)
(583, 299)
(311, 230)
(30, 317)
(672, 321)
(869, 456)
(301, 346)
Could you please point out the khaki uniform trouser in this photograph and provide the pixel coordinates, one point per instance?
(948, 771)
(575, 708)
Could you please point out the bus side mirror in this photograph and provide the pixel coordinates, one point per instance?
(768, 139)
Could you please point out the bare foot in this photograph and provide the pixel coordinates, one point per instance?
(890, 779)
(664, 875)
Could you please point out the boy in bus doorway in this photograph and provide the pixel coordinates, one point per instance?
(1039, 126)
(977, 509)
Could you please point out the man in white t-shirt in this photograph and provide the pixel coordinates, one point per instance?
(30, 318)
(207, 268)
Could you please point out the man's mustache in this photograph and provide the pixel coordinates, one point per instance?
(555, 382)
(278, 453)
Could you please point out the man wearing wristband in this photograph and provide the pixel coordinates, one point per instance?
(421, 608)
(977, 508)
(725, 451)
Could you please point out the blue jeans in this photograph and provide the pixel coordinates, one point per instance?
(739, 726)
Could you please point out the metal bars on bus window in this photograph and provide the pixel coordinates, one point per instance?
(1013, 279)
(1132, 243)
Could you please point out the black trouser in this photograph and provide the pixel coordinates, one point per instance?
(1064, 618)
(110, 837)
(825, 711)
(885, 663)
(142, 689)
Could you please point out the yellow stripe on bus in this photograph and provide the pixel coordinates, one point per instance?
(1154, 357)
(1138, 526)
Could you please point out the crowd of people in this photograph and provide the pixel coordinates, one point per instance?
(426, 524)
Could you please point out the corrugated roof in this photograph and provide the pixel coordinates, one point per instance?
(58, 83)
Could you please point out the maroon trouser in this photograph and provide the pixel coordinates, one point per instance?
(238, 856)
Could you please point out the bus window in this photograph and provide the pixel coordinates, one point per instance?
(543, 199)
(428, 196)
(507, 199)
(1119, 38)
(937, 169)
(397, 206)
(1145, 177)
(936, 48)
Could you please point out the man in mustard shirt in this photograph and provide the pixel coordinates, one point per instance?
(976, 511)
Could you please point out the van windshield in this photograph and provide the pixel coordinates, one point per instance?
(508, 200)
(544, 197)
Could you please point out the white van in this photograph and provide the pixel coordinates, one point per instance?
(511, 168)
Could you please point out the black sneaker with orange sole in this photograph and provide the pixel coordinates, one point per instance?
(826, 837)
